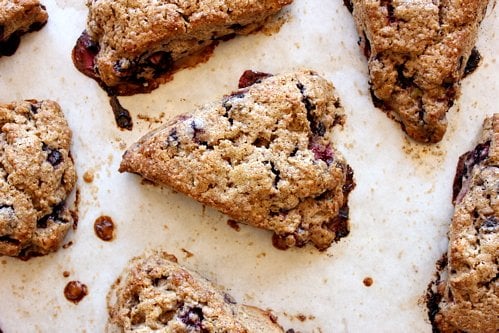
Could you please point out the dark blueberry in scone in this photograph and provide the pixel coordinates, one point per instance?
(133, 47)
(156, 294)
(465, 295)
(418, 51)
(18, 17)
(36, 176)
(262, 155)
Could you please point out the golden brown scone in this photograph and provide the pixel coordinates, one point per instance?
(262, 155)
(417, 54)
(36, 176)
(18, 17)
(133, 46)
(155, 294)
(465, 297)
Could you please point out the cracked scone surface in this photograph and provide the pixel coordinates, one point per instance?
(417, 53)
(154, 293)
(18, 17)
(263, 155)
(133, 46)
(36, 176)
(466, 294)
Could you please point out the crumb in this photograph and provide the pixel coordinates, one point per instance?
(233, 224)
(187, 253)
(301, 317)
(68, 244)
(88, 176)
(368, 281)
(152, 120)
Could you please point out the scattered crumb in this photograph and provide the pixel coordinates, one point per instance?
(65, 274)
(418, 151)
(234, 225)
(368, 281)
(88, 176)
(187, 253)
(261, 255)
(300, 316)
(152, 120)
(4, 262)
(68, 244)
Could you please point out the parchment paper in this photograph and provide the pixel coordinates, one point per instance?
(400, 209)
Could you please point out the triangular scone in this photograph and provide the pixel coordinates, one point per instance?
(37, 175)
(156, 294)
(133, 46)
(262, 155)
(465, 297)
(417, 54)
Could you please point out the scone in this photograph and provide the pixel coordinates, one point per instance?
(156, 294)
(262, 155)
(417, 53)
(36, 176)
(465, 296)
(131, 47)
(18, 17)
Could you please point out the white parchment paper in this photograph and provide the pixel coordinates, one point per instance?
(400, 209)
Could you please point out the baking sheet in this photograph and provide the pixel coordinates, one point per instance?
(400, 209)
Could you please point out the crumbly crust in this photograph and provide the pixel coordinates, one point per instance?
(36, 176)
(154, 293)
(139, 43)
(469, 285)
(261, 155)
(18, 17)
(417, 52)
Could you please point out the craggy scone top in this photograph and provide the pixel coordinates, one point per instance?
(470, 285)
(16, 18)
(36, 176)
(156, 294)
(154, 34)
(417, 53)
(263, 155)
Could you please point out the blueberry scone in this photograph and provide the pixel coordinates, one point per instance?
(262, 155)
(417, 53)
(133, 46)
(18, 17)
(37, 175)
(465, 296)
(155, 294)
